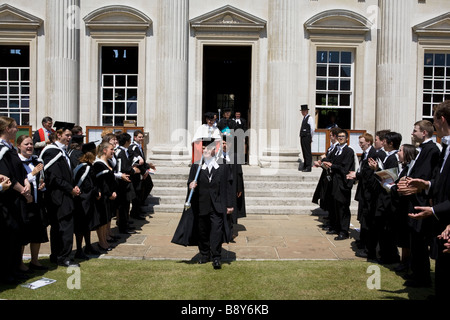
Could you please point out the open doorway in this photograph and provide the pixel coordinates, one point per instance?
(227, 81)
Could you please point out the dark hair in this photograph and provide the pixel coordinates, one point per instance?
(395, 138)
(335, 131)
(138, 132)
(409, 153)
(443, 110)
(123, 138)
(343, 131)
(21, 138)
(382, 133)
(47, 119)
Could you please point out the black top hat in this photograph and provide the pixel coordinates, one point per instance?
(88, 147)
(304, 107)
(211, 142)
(227, 110)
(64, 125)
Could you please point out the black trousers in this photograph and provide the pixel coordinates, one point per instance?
(124, 213)
(61, 238)
(342, 218)
(210, 227)
(306, 150)
(420, 256)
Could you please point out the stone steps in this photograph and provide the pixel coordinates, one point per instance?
(267, 191)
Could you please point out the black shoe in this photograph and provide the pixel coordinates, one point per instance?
(332, 231)
(216, 264)
(341, 237)
(81, 255)
(68, 263)
(204, 259)
(91, 250)
(361, 254)
(36, 267)
(306, 170)
(128, 231)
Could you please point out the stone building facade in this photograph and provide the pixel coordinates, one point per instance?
(373, 64)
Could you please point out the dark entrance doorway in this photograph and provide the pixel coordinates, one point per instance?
(227, 82)
(227, 79)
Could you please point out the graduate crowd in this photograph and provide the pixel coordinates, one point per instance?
(54, 179)
(403, 195)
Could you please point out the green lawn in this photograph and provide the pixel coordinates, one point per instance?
(104, 279)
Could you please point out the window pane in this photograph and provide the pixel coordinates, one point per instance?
(132, 94)
(439, 72)
(13, 74)
(438, 85)
(132, 108)
(132, 81)
(321, 85)
(429, 61)
(333, 100)
(346, 57)
(3, 74)
(428, 84)
(346, 71)
(108, 94)
(428, 72)
(108, 121)
(439, 60)
(334, 57)
(322, 57)
(345, 85)
(119, 108)
(119, 121)
(427, 110)
(321, 71)
(120, 94)
(321, 99)
(120, 81)
(334, 71)
(333, 85)
(108, 108)
(108, 81)
(345, 100)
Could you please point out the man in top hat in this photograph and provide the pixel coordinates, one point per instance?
(226, 124)
(306, 135)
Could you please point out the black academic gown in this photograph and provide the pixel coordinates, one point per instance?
(142, 188)
(86, 216)
(440, 192)
(107, 185)
(216, 195)
(11, 223)
(321, 194)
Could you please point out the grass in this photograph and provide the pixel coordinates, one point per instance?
(113, 280)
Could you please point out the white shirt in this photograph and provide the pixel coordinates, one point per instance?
(206, 131)
(63, 147)
(31, 178)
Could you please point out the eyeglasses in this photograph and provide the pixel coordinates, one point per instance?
(342, 136)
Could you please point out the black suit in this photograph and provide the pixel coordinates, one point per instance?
(440, 191)
(423, 168)
(60, 204)
(342, 163)
(305, 142)
(212, 197)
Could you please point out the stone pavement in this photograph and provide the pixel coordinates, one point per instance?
(260, 237)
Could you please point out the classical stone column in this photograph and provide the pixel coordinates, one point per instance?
(283, 83)
(62, 55)
(396, 62)
(172, 82)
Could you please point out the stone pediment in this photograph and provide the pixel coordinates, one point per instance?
(11, 17)
(338, 21)
(117, 18)
(228, 18)
(439, 26)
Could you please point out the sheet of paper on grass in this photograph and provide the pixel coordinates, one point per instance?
(38, 283)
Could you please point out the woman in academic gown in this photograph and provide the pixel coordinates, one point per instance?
(86, 216)
(107, 186)
(11, 223)
(34, 214)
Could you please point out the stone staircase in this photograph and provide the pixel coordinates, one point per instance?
(267, 191)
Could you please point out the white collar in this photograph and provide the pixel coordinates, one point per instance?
(446, 140)
(61, 146)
